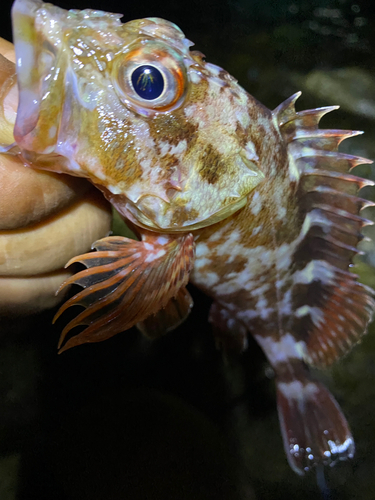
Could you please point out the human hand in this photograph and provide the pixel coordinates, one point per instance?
(45, 218)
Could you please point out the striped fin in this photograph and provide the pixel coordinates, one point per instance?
(313, 427)
(331, 308)
(168, 318)
(125, 282)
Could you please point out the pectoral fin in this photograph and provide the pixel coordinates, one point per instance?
(125, 282)
(168, 318)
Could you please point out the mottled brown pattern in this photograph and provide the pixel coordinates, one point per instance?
(121, 165)
(236, 266)
(174, 128)
(170, 162)
(242, 134)
(211, 167)
(181, 213)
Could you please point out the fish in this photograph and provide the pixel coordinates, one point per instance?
(257, 208)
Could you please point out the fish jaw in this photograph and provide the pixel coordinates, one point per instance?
(33, 98)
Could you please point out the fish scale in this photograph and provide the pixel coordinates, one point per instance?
(255, 207)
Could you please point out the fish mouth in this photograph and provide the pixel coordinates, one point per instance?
(40, 76)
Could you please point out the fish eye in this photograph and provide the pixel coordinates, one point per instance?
(148, 82)
(150, 76)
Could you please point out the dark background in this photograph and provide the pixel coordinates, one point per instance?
(171, 419)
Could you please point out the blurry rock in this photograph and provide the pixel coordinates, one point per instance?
(351, 88)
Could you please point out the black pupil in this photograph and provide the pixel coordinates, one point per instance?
(148, 82)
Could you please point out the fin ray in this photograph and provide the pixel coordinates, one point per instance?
(168, 318)
(145, 276)
(313, 427)
(331, 308)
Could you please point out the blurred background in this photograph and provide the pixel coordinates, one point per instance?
(172, 419)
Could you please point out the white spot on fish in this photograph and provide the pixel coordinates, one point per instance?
(250, 151)
(190, 111)
(341, 448)
(179, 149)
(285, 305)
(262, 289)
(316, 218)
(145, 164)
(201, 250)
(202, 262)
(164, 148)
(211, 279)
(52, 131)
(195, 76)
(243, 119)
(215, 82)
(282, 351)
(256, 230)
(162, 240)
(316, 270)
(283, 257)
(213, 69)
(153, 256)
(256, 203)
(250, 314)
(298, 390)
(317, 314)
(281, 213)
(329, 342)
(294, 173)
(113, 189)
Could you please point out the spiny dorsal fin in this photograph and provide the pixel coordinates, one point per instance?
(331, 308)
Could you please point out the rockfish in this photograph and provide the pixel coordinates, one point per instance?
(255, 207)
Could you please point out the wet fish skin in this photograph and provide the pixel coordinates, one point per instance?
(255, 207)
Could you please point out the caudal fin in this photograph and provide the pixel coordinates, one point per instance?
(313, 426)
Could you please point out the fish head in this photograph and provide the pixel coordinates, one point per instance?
(165, 135)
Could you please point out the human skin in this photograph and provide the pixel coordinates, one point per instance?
(45, 218)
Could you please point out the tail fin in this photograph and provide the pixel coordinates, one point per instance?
(313, 427)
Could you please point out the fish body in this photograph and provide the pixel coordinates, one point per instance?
(255, 207)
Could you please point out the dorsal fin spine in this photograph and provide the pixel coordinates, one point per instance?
(331, 231)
